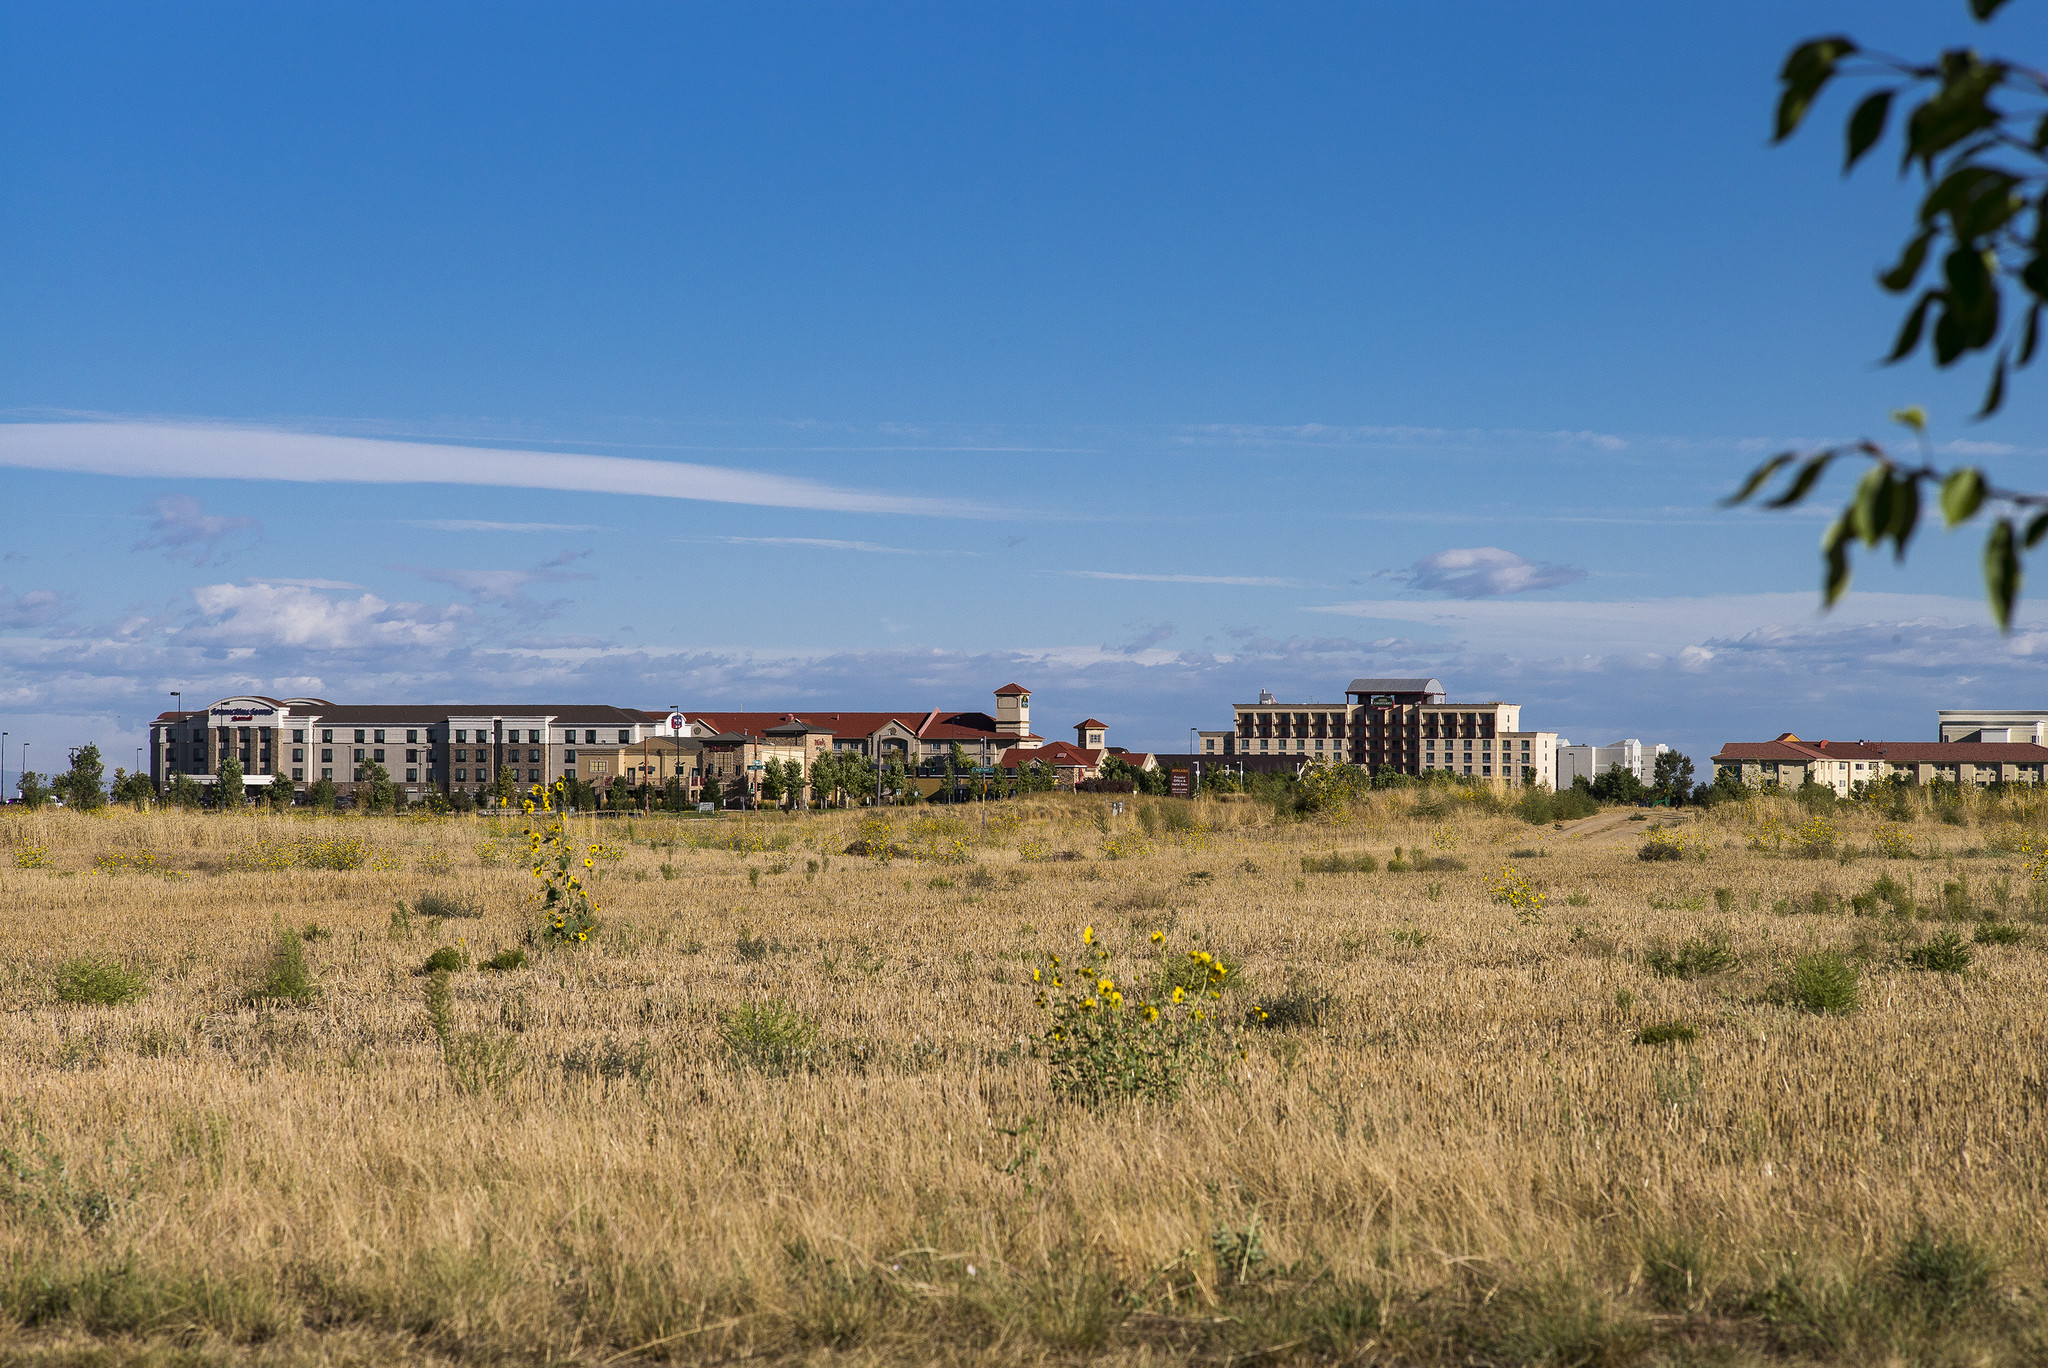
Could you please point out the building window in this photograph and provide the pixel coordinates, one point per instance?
(568, 757)
(327, 774)
(625, 735)
(359, 734)
(412, 776)
(412, 757)
(532, 757)
(298, 733)
(412, 736)
(461, 776)
(378, 755)
(533, 736)
(533, 776)
(359, 753)
(298, 774)
(378, 735)
(298, 754)
(327, 734)
(326, 754)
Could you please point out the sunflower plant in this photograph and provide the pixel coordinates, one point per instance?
(1109, 1038)
(568, 916)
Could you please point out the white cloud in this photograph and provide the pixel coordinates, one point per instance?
(507, 587)
(304, 583)
(184, 530)
(1484, 572)
(819, 544)
(262, 615)
(1245, 581)
(169, 451)
(479, 525)
(35, 608)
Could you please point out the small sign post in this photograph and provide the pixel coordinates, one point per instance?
(1180, 783)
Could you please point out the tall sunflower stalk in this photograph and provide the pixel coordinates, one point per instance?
(568, 916)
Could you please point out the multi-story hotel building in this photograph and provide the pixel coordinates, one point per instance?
(425, 747)
(1404, 725)
(300, 741)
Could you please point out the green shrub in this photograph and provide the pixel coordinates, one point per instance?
(769, 1037)
(1676, 1269)
(288, 979)
(1695, 957)
(1822, 982)
(1947, 953)
(515, 958)
(1194, 977)
(1335, 863)
(443, 905)
(1997, 933)
(1294, 1009)
(99, 981)
(1528, 853)
(1666, 1033)
(1942, 1276)
(446, 960)
(1724, 899)
(1659, 850)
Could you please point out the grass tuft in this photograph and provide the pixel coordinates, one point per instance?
(504, 960)
(1666, 1033)
(1695, 957)
(98, 981)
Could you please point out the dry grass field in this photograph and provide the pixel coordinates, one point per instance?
(787, 1103)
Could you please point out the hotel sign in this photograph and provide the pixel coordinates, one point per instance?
(1383, 700)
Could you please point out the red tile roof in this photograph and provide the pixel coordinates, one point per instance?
(1091, 722)
(1790, 747)
(1009, 689)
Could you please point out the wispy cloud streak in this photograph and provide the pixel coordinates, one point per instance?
(166, 451)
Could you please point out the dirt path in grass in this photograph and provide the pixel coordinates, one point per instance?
(1619, 826)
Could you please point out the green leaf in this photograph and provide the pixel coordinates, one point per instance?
(1807, 68)
(1905, 512)
(1913, 417)
(1962, 494)
(1835, 550)
(1757, 477)
(2001, 573)
(1901, 277)
(2036, 530)
(1802, 483)
(1870, 511)
(1866, 125)
(1909, 331)
(1995, 394)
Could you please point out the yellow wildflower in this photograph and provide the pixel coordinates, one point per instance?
(1087, 935)
(1105, 985)
(1151, 1012)
(1180, 995)
(1034, 976)
(1158, 936)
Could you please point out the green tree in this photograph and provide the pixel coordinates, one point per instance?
(84, 786)
(1618, 785)
(506, 787)
(320, 795)
(279, 794)
(135, 789)
(228, 791)
(771, 782)
(374, 792)
(710, 792)
(34, 791)
(1977, 140)
(186, 793)
(1673, 775)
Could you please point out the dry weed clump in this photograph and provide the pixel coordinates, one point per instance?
(811, 1113)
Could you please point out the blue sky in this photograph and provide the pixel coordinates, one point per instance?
(877, 355)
